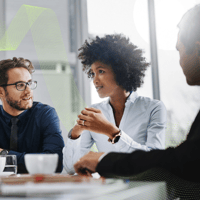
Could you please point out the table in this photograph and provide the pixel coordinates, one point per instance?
(60, 187)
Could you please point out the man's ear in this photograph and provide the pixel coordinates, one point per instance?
(198, 48)
(2, 92)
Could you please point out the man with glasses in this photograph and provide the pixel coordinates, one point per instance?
(25, 126)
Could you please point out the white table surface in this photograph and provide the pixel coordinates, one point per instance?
(112, 189)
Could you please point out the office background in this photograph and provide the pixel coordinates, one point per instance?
(79, 20)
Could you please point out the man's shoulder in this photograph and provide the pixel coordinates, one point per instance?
(39, 107)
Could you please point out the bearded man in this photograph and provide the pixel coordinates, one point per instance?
(25, 126)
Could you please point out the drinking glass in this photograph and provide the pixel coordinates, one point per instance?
(2, 163)
(11, 164)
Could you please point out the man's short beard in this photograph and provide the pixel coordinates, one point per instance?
(14, 104)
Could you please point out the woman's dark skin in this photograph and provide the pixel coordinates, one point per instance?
(106, 86)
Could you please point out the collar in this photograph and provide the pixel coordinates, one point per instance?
(131, 99)
(8, 117)
(133, 96)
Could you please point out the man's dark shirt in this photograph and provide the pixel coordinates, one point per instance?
(183, 161)
(38, 132)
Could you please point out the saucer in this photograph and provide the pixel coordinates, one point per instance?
(6, 173)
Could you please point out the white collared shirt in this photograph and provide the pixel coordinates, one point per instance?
(142, 125)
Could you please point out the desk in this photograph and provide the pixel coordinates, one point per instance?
(62, 187)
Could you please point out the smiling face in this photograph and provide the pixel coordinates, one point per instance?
(14, 101)
(104, 80)
(190, 63)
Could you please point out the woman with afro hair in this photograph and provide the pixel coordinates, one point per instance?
(125, 122)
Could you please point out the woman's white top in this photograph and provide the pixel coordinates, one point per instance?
(142, 125)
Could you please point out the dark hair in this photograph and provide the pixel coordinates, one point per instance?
(5, 65)
(117, 51)
(190, 28)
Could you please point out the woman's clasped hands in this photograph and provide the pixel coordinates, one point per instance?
(92, 119)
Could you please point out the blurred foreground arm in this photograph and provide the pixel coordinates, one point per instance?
(88, 163)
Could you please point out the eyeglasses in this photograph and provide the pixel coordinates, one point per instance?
(21, 86)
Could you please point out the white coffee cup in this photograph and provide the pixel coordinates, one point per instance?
(2, 163)
(41, 163)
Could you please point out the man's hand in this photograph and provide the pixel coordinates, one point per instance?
(95, 121)
(1, 150)
(87, 164)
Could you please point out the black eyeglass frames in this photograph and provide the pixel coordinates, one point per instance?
(21, 86)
